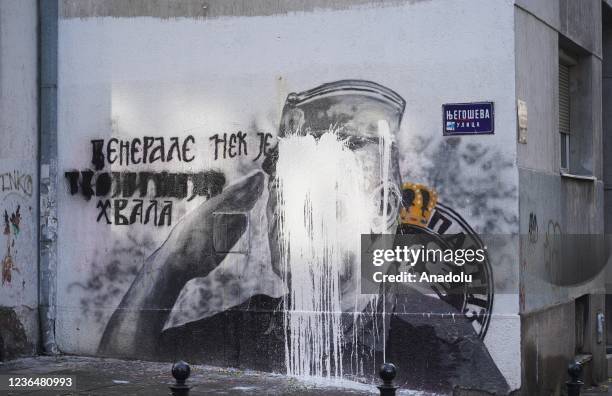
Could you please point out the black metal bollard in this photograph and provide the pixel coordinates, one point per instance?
(387, 373)
(180, 372)
(575, 383)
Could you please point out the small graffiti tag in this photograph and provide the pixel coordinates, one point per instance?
(533, 228)
(16, 181)
(551, 243)
(11, 230)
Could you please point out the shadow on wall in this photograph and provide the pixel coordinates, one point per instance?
(468, 175)
(111, 275)
(13, 340)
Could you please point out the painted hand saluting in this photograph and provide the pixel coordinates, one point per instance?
(189, 252)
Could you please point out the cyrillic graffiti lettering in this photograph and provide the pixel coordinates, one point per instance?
(155, 184)
(124, 191)
(128, 212)
(135, 151)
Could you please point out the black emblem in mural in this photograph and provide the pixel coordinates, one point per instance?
(422, 213)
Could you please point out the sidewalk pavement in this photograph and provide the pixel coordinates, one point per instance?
(602, 390)
(97, 376)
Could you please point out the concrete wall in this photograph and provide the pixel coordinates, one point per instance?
(607, 115)
(18, 178)
(130, 72)
(607, 144)
(578, 20)
(552, 207)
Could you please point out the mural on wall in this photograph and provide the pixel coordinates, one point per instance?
(264, 273)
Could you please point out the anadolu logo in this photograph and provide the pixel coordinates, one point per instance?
(422, 213)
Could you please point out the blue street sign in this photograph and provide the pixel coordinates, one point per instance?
(468, 118)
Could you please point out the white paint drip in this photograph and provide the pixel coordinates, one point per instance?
(324, 207)
(384, 150)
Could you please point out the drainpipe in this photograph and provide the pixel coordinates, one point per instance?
(47, 239)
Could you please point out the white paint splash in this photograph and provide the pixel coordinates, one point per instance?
(384, 150)
(324, 207)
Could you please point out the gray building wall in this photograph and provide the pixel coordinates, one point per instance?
(607, 141)
(18, 178)
(551, 204)
(607, 115)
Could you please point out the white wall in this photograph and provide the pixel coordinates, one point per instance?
(131, 77)
(18, 171)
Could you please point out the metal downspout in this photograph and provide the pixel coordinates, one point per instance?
(47, 80)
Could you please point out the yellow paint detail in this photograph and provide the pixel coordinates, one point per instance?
(418, 212)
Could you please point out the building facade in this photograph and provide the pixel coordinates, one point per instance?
(143, 218)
